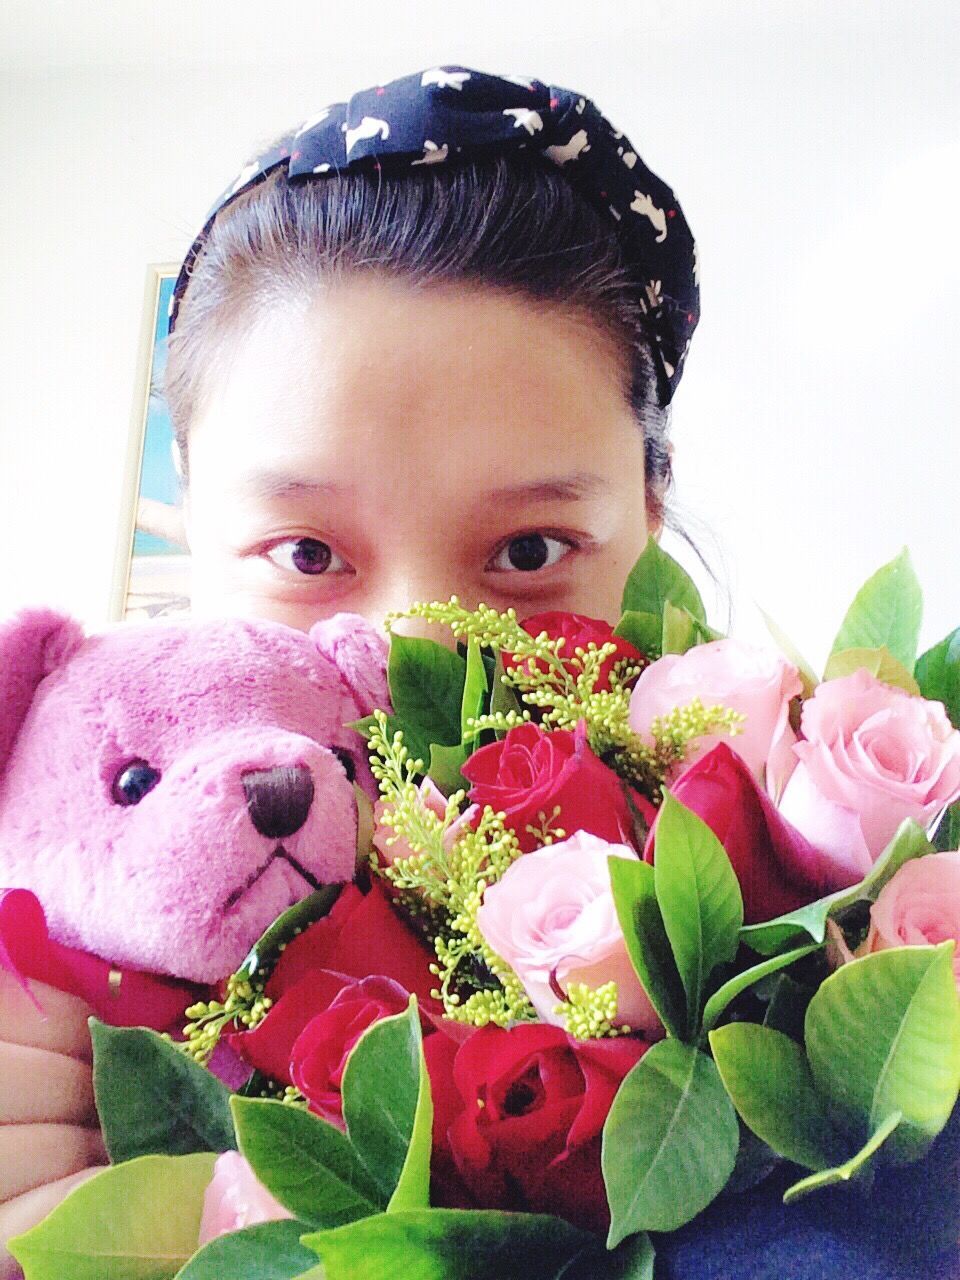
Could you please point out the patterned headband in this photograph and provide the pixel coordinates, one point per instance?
(437, 114)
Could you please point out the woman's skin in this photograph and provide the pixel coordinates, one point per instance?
(422, 443)
(435, 427)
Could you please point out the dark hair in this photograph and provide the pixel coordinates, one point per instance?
(510, 222)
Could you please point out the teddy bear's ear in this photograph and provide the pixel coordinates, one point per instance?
(33, 642)
(359, 651)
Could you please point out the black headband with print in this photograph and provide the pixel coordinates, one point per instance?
(433, 116)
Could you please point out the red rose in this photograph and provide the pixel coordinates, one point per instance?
(523, 1129)
(577, 632)
(362, 937)
(320, 1051)
(530, 772)
(778, 869)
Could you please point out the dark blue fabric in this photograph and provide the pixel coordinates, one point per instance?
(907, 1228)
(436, 115)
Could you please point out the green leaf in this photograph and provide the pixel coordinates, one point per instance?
(503, 699)
(134, 1221)
(265, 952)
(948, 832)
(754, 1161)
(879, 662)
(388, 1108)
(657, 578)
(632, 1260)
(788, 1007)
(792, 654)
(426, 684)
(447, 761)
(669, 1142)
(367, 724)
(741, 981)
(474, 692)
(451, 1244)
(643, 630)
(638, 911)
(699, 897)
(306, 1163)
(682, 631)
(883, 1035)
(154, 1100)
(445, 765)
(769, 1080)
(938, 675)
(857, 1165)
(886, 613)
(909, 842)
(810, 922)
(268, 1251)
(679, 629)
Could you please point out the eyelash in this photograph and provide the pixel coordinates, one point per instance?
(548, 535)
(292, 542)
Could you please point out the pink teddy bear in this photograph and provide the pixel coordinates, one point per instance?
(167, 788)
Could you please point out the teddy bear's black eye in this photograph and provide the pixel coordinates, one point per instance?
(134, 781)
(346, 759)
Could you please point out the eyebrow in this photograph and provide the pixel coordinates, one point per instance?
(273, 485)
(568, 488)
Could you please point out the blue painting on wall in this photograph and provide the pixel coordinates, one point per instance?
(159, 566)
(158, 476)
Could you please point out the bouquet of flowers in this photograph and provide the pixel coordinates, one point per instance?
(649, 969)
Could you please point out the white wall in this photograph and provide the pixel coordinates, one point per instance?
(813, 144)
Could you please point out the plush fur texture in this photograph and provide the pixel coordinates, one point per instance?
(183, 881)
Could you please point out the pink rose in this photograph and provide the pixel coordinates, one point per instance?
(747, 678)
(236, 1198)
(391, 849)
(552, 918)
(870, 756)
(920, 905)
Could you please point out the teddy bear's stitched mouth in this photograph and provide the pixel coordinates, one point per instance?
(279, 852)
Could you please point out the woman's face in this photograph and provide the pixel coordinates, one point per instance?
(381, 446)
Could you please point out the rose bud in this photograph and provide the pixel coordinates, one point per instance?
(319, 1053)
(236, 1198)
(778, 869)
(391, 848)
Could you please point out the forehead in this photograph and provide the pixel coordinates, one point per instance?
(375, 364)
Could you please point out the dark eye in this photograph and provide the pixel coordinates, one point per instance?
(134, 781)
(529, 552)
(346, 759)
(306, 556)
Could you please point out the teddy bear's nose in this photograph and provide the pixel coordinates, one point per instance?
(278, 799)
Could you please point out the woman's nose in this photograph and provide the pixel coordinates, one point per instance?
(400, 594)
(422, 630)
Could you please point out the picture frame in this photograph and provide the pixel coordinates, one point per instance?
(152, 565)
